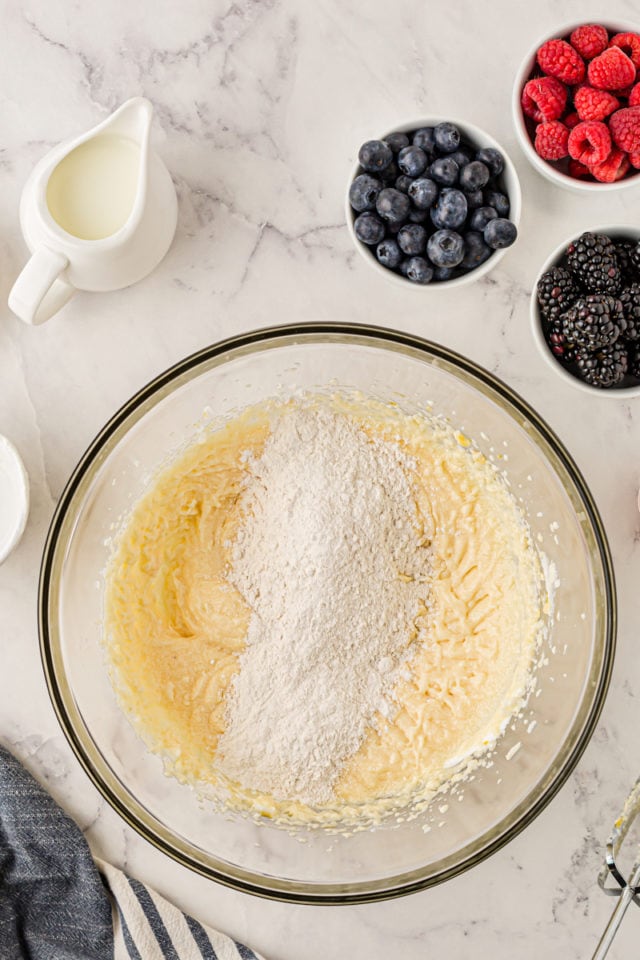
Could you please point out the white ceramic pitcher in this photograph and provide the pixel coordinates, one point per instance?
(98, 213)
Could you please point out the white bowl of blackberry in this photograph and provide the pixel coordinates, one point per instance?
(585, 311)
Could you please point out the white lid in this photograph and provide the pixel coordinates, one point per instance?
(14, 497)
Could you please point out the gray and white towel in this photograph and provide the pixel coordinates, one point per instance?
(57, 903)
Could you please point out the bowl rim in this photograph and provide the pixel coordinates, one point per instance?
(619, 393)
(276, 888)
(481, 136)
(543, 166)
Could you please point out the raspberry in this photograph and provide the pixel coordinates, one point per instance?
(571, 120)
(551, 140)
(625, 129)
(589, 40)
(594, 104)
(629, 43)
(590, 142)
(558, 59)
(578, 170)
(612, 70)
(634, 160)
(634, 96)
(544, 99)
(611, 169)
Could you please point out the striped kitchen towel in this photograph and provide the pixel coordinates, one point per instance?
(56, 903)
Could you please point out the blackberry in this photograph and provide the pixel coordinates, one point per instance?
(556, 292)
(634, 361)
(593, 321)
(559, 345)
(605, 367)
(629, 271)
(630, 300)
(634, 254)
(592, 260)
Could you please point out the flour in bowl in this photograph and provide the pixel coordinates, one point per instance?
(334, 563)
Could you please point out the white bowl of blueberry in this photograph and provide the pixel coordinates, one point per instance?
(585, 311)
(433, 201)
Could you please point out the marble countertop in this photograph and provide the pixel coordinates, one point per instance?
(260, 106)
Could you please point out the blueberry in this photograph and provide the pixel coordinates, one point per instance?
(375, 155)
(443, 273)
(393, 205)
(368, 228)
(492, 159)
(474, 176)
(424, 139)
(447, 137)
(475, 200)
(450, 212)
(444, 170)
(389, 254)
(476, 250)
(445, 248)
(412, 161)
(403, 183)
(390, 174)
(363, 192)
(397, 141)
(423, 192)
(418, 216)
(480, 218)
(417, 270)
(497, 200)
(461, 157)
(500, 233)
(412, 239)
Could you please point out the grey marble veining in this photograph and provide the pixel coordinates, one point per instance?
(260, 108)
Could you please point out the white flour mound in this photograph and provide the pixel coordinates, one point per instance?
(333, 563)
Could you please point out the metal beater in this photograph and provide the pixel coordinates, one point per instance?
(626, 890)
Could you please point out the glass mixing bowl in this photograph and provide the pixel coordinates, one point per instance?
(537, 752)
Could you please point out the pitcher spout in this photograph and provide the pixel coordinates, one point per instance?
(132, 120)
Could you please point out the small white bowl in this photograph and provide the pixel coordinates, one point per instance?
(14, 497)
(477, 138)
(615, 393)
(545, 167)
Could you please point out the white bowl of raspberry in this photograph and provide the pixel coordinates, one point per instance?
(585, 311)
(459, 194)
(576, 106)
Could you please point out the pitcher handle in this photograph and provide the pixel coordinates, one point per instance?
(40, 291)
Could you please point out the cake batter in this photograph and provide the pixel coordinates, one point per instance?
(177, 626)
